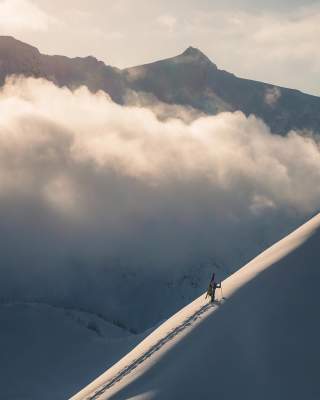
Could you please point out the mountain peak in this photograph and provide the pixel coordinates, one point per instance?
(195, 55)
(192, 51)
(10, 41)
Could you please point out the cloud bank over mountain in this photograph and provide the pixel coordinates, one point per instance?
(88, 184)
(82, 130)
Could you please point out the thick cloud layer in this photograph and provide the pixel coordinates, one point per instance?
(87, 186)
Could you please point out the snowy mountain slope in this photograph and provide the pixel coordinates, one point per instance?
(262, 343)
(118, 244)
(52, 350)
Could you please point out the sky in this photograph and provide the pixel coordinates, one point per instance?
(274, 41)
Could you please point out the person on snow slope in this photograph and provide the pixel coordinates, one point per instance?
(213, 285)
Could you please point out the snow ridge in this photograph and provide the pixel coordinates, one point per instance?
(289, 253)
(157, 346)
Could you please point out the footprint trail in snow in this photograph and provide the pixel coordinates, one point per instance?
(153, 349)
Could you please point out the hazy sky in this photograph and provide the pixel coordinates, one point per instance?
(274, 41)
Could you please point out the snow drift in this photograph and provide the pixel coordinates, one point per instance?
(262, 343)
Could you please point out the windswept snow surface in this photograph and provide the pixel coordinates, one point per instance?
(261, 343)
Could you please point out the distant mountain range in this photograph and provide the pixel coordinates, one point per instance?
(189, 79)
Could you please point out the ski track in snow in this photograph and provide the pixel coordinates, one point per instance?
(153, 349)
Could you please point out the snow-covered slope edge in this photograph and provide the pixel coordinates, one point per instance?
(256, 328)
